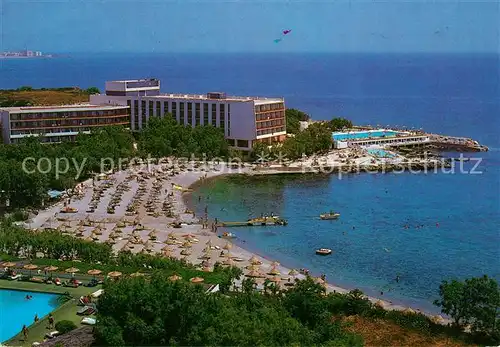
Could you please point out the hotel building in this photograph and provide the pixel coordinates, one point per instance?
(244, 120)
(59, 123)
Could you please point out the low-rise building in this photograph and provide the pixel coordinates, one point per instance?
(59, 123)
(379, 137)
(244, 120)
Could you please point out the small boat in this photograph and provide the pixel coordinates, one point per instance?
(324, 251)
(329, 215)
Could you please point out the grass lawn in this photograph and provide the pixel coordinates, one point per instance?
(67, 311)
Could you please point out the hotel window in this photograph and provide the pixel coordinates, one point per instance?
(228, 119)
(174, 110)
(222, 118)
(214, 115)
(242, 143)
(165, 108)
(143, 112)
(181, 118)
(158, 109)
(197, 114)
(151, 111)
(205, 114)
(190, 113)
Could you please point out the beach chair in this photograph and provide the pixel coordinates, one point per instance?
(15, 277)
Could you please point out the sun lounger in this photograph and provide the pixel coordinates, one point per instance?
(88, 321)
(97, 293)
(52, 334)
(15, 277)
(37, 280)
(86, 310)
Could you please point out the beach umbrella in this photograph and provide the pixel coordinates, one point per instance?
(89, 239)
(380, 303)
(30, 267)
(255, 261)
(94, 272)
(196, 280)
(275, 263)
(206, 269)
(186, 245)
(72, 270)
(8, 264)
(114, 274)
(172, 236)
(253, 274)
(438, 319)
(171, 242)
(408, 311)
(227, 255)
(228, 262)
(227, 246)
(275, 279)
(174, 278)
(185, 252)
(50, 268)
(253, 267)
(293, 273)
(274, 271)
(166, 248)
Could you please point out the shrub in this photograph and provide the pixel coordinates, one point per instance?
(65, 326)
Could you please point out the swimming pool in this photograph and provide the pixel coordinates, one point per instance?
(380, 153)
(363, 134)
(15, 310)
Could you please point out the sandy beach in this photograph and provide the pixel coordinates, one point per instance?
(135, 222)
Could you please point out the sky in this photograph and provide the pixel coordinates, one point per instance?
(59, 26)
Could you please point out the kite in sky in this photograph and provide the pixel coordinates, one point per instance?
(285, 32)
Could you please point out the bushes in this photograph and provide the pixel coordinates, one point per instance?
(65, 326)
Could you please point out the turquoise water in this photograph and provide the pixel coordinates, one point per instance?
(451, 226)
(380, 153)
(363, 135)
(16, 311)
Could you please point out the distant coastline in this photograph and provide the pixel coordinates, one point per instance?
(23, 57)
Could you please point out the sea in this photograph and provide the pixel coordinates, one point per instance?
(421, 228)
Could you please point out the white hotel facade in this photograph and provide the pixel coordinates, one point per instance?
(244, 120)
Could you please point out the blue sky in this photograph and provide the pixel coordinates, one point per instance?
(250, 26)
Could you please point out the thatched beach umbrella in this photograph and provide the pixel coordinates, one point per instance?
(114, 274)
(227, 246)
(293, 273)
(30, 267)
(275, 263)
(274, 271)
(228, 262)
(197, 280)
(187, 245)
(253, 267)
(380, 303)
(185, 252)
(174, 278)
(206, 269)
(72, 270)
(171, 242)
(255, 261)
(253, 274)
(275, 279)
(94, 272)
(172, 236)
(227, 255)
(408, 311)
(8, 264)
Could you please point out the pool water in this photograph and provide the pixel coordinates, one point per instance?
(380, 153)
(363, 135)
(16, 311)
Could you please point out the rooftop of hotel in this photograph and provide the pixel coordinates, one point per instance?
(257, 99)
(61, 108)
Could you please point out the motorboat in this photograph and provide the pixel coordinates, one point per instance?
(330, 215)
(323, 251)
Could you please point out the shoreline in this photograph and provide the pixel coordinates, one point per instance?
(138, 240)
(246, 253)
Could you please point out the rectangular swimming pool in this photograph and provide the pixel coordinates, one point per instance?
(363, 134)
(16, 310)
(380, 153)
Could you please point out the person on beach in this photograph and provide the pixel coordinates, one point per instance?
(36, 319)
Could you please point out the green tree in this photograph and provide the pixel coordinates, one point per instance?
(65, 326)
(92, 90)
(337, 124)
(293, 118)
(476, 301)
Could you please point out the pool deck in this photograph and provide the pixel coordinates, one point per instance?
(66, 311)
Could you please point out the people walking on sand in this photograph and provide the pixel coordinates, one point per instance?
(25, 332)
